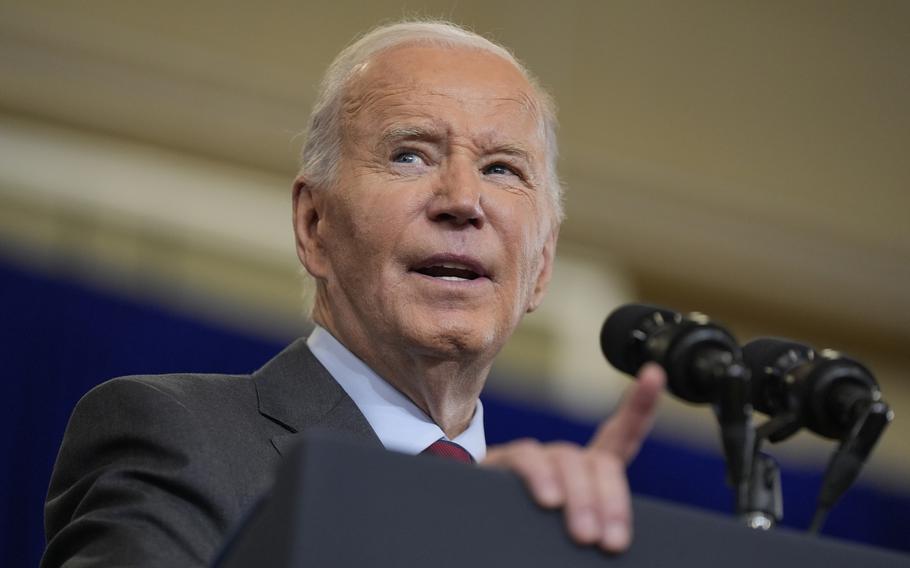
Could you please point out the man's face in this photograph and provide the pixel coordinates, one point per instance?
(437, 235)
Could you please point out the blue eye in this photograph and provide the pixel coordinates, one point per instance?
(407, 158)
(499, 169)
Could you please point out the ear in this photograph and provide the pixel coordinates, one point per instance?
(547, 255)
(308, 214)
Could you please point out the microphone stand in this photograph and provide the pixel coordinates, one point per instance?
(733, 408)
(765, 506)
(753, 474)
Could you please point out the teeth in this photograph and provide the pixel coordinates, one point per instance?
(451, 271)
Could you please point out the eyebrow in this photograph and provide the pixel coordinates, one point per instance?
(514, 150)
(398, 133)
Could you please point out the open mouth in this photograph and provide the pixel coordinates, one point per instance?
(449, 272)
(450, 269)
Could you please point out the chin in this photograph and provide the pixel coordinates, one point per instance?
(457, 337)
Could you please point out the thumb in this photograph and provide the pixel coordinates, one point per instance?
(623, 433)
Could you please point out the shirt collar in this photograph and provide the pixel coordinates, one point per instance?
(397, 421)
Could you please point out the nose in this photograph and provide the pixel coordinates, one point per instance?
(457, 196)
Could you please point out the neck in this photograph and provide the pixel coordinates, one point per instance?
(445, 390)
(444, 387)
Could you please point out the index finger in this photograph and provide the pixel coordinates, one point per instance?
(623, 433)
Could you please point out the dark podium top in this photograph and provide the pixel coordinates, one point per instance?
(336, 503)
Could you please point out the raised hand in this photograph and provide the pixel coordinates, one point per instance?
(589, 482)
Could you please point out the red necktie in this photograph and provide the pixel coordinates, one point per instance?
(450, 450)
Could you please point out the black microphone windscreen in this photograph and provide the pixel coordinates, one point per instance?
(767, 358)
(616, 337)
(766, 351)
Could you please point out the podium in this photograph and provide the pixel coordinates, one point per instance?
(336, 503)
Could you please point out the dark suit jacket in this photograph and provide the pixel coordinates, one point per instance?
(156, 470)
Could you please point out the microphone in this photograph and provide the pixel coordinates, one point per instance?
(695, 353)
(832, 395)
(826, 391)
(703, 362)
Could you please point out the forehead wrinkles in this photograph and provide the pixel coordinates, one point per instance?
(530, 109)
(398, 113)
(376, 94)
(495, 136)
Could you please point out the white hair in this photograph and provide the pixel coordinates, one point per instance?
(322, 149)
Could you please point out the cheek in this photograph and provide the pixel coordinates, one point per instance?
(352, 222)
(365, 231)
(523, 246)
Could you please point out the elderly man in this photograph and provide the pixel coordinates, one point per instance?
(427, 211)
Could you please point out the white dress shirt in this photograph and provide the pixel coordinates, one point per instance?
(398, 422)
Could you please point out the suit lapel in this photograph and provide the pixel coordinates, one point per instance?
(296, 391)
